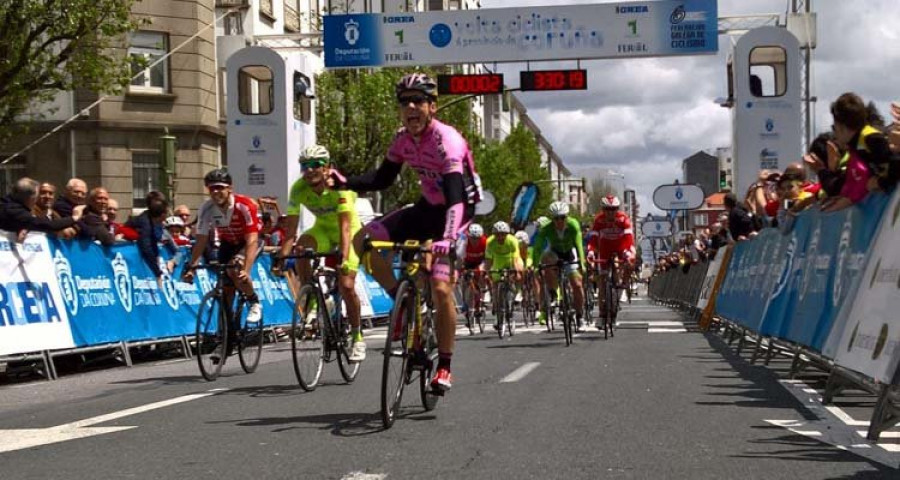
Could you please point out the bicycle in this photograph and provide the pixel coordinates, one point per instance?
(590, 290)
(473, 315)
(320, 332)
(566, 301)
(529, 310)
(410, 349)
(222, 325)
(503, 304)
(611, 302)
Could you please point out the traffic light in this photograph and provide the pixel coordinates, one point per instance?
(723, 182)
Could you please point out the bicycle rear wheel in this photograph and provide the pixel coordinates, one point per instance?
(307, 337)
(395, 372)
(566, 312)
(468, 300)
(349, 370)
(500, 305)
(250, 339)
(211, 336)
(510, 306)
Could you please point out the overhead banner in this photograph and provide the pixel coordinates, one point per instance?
(33, 316)
(870, 340)
(522, 34)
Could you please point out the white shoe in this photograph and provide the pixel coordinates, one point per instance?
(254, 313)
(518, 297)
(357, 351)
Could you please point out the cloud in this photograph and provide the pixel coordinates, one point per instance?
(641, 117)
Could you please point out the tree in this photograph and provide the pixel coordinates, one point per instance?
(504, 166)
(56, 45)
(356, 119)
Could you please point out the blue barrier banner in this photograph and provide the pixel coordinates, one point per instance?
(111, 295)
(792, 286)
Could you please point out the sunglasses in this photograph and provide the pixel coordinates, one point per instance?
(416, 99)
(561, 217)
(304, 166)
(216, 188)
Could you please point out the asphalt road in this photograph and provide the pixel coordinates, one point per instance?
(660, 400)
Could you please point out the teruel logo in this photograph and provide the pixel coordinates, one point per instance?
(122, 280)
(630, 9)
(351, 32)
(400, 19)
(66, 281)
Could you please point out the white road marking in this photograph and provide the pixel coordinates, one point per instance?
(19, 439)
(520, 372)
(666, 330)
(364, 476)
(834, 427)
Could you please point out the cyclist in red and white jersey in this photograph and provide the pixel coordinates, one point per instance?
(233, 218)
(473, 259)
(611, 235)
(450, 189)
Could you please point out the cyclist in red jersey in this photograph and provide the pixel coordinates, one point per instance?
(234, 219)
(473, 259)
(611, 235)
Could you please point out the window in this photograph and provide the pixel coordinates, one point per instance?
(146, 48)
(701, 219)
(144, 176)
(233, 23)
(10, 172)
(255, 90)
(768, 67)
(302, 98)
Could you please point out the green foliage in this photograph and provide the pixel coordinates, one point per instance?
(56, 45)
(357, 118)
(504, 166)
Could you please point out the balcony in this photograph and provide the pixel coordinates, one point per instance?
(232, 3)
(291, 19)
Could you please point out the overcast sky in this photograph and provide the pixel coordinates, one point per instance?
(641, 117)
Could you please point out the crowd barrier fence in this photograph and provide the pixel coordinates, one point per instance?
(59, 297)
(826, 294)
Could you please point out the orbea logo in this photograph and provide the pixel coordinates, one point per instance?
(122, 279)
(66, 281)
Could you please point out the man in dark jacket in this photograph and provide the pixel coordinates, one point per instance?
(94, 224)
(76, 191)
(16, 211)
(149, 228)
(740, 224)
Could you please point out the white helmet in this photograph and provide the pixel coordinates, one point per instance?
(501, 227)
(610, 202)
(475, 230)
(559, 209)
(315, 152)
(173, 221)
(542, 221)
(522, 237)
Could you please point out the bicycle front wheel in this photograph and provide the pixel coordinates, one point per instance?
(250, 339)
(394, 373)
(509, 305)
(429, 401)
(307, 337)
(566, 311)
(211, 336)
(500, 306)
(349, 370)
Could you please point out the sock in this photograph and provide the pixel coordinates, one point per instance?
(356, 335)
(253, 298)
(444, 359)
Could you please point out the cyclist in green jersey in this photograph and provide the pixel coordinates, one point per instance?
(502, 252)
(557, 240)
(336, 224)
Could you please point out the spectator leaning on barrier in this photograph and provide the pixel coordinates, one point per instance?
(150, 231)
(119, 231)
(93, 223)
(74, 195)
(758, 195)
(16, 211)
(184, 213)
(44, 205)
(829, 164)
(740, 223)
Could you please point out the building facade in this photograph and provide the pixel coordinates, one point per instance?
(701, 169)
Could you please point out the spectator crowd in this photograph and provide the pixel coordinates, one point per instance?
(93, 215)
(860, 155)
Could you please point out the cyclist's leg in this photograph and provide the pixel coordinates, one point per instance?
(309, 239)
(577, 284)
(550, 275)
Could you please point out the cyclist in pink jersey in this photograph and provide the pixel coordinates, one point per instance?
(450, 188)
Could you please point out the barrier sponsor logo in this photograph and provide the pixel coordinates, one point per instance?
(784, 279)
(122, 279)
(66, 282)
(23, 303)
(205, 281)
(168, 286)
(264, 284)
(841, 274)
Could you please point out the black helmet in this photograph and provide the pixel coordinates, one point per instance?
(219, 175)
